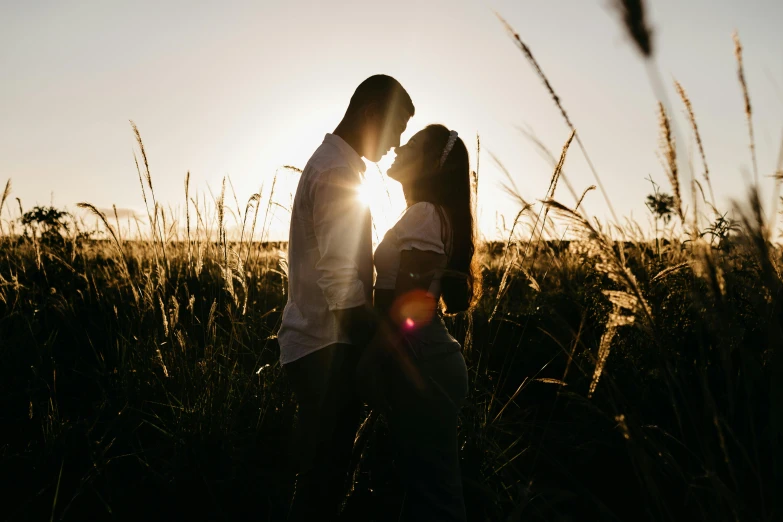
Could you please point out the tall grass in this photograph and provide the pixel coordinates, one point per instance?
(609, 379)
(746, 98)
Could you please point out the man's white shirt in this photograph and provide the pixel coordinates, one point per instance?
(330, 263)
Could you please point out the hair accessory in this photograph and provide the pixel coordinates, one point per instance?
(449, 145)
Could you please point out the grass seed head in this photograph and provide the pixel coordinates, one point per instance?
(670, 156)
(746, 98)
(634, 19)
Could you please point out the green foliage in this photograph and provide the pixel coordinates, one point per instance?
(50, 222)
(661, 205)
(720, 230)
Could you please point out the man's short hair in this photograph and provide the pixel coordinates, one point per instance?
(383, 90)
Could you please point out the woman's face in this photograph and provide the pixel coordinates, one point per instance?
(409, 162)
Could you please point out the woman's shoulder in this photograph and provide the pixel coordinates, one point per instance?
(423, 210)
(421, 222)
(419, 216)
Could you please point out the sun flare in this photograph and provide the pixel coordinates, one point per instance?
(384, 198)
(364, 194)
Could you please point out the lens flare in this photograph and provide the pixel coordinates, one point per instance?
(414, 309)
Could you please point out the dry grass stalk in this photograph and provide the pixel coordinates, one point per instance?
(475, 175)
(549, 380)
(576, 209)
(633, 14)
(530, 58)
(559, 167)
(758, 235)
(221, 216)
(143, 190)
(610, 261)
(616, 320)
(582, 197)
(705, 265)
(162, 364)
(506, 262)
(503, 287)
(156, 232)
(255, 220)
(550, 194)
(697, 184)
(509, 186)
(6, 193)
(252, 202)
(746, 96)
(529, 55)
(117, 220)
(553, 186)
(153, 220)
(668, 271)
(187, 217)
(117, 243)
(575, 341)
(778, 170)
(697, 135)
(236, 200)
(670, 156)
(137, 134)
(164, 235)
(102, 217)
(778, 176)
(158, 223)
(164, 318)
(549, 157)
(270, 203)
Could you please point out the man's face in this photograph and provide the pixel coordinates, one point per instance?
(387, 132)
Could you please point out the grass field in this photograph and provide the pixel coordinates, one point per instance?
(612, 377)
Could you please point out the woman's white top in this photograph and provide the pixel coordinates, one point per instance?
(419, 228)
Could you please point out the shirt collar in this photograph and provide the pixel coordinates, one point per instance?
(351, 155)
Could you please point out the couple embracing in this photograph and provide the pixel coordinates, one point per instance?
(348, 337)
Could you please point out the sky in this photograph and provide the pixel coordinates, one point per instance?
(241, 89)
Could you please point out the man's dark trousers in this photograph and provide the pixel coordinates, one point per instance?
(325, 386)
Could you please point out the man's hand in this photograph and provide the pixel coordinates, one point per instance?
(359, 323)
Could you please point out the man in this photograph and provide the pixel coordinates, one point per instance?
(328, 317)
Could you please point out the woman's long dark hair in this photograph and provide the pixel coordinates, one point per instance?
(448, 187)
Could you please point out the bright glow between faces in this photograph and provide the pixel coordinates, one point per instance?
(364, 194)
(382, 195)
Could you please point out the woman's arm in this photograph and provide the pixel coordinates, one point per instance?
(417, 269)
(414, 303)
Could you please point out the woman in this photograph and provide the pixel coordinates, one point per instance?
(427, 258)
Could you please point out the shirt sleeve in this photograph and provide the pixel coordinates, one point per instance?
(420, 228)
(340, 222)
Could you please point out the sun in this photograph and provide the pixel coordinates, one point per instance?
(364, 195)
(383, 196)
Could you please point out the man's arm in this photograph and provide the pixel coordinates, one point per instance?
(340, 222)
